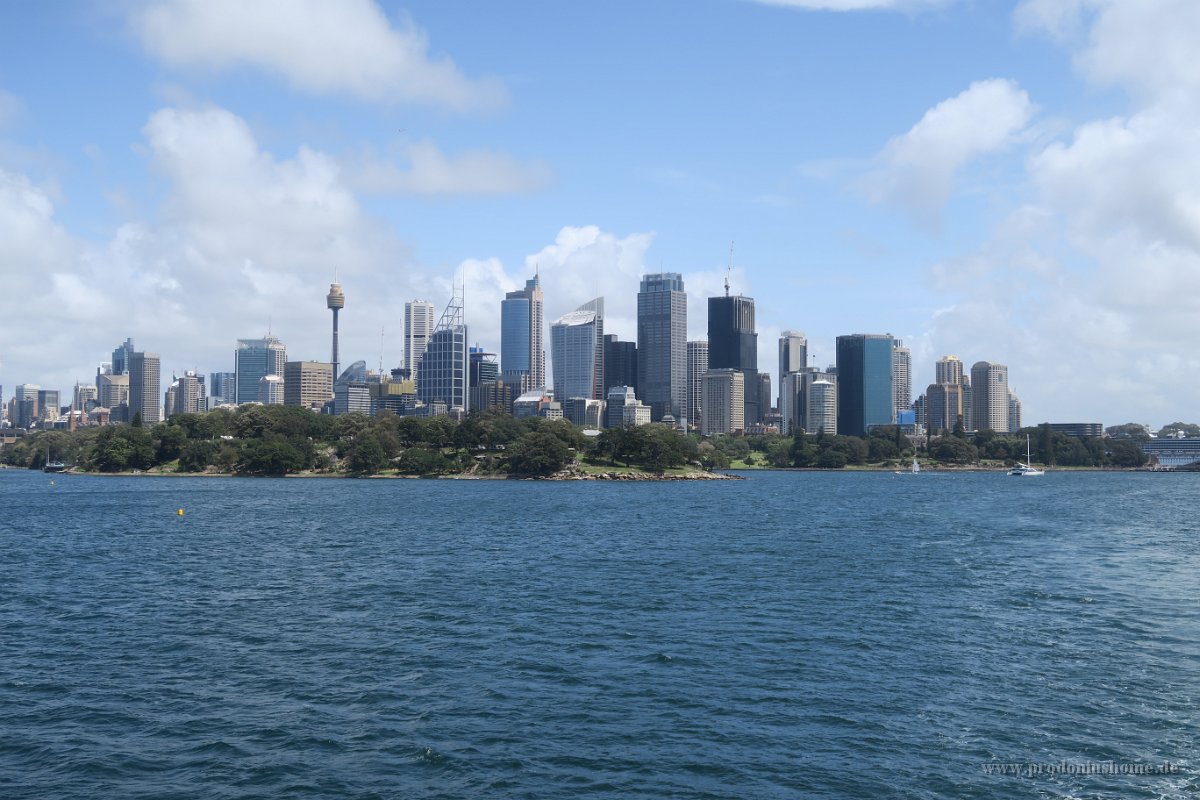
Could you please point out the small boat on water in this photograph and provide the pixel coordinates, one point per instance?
(916, 468)
(53, 466)
(1025, 469)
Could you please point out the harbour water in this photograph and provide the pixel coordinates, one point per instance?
(792, 635)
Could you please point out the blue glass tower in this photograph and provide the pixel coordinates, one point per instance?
(864, 370)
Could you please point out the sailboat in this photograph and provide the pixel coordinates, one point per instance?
(52, 466)
(916, 468)
(1026, 469)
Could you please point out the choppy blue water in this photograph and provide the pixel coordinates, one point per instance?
(791, 635)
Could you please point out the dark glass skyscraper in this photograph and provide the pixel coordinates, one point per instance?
(662, 344)
(620, 363)
(733, 344)
(864, 370)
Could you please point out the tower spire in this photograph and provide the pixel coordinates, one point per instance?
(729, 268)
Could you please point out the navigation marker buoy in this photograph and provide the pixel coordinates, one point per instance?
(180, 512)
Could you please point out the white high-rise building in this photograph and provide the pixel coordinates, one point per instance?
(697, 365)
(418, 327)
(989, 396)
(793, 357)
(822, 405)
(577, 352)
(901, 378)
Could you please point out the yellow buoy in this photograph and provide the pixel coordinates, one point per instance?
(180, 512)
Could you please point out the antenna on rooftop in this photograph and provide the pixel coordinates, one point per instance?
(729, 268)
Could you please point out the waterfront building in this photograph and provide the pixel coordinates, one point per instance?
(418, 327)
(724, 402)
(1077, 430)
(733, 344)
(253, 360)
(308, 384)
(144, 392)
(864, 391)
(620, 363)
(577, 350)
(989, 396)
(901, 378)
(697, 365)
(662, 344)
(522, 336)
(443, 372)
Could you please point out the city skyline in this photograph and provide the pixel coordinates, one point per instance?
(1010, 181)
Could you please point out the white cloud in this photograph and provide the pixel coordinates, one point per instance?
(318, 46)
(427, 170)
(918, 168)
(1146, 45)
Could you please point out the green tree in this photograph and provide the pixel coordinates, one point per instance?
(196, 456)
(538, 453)
(368, 455)
(171, 439)
(1125, 453)
(1188, 429)
(269, 456)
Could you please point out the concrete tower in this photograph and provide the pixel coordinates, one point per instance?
(335, 301)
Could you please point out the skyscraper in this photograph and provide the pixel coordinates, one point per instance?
(821, 399)
(336, 301)
(864, 374)
(943, 406)
(253, 360)
(418, 327)
(793, 357)
(443, 375)
(189, 394)
(989, 396)
(662, 344)
(120, 358)
(522, 336)
(733, 344)
(901, 377)
(948, 369)
(145, 396)
(697, 356)
(222, 386)
(620, 363)
(577, 350)
(1014, 412)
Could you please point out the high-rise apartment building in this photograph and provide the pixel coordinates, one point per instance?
(943, 406)
(733, 344)
(793, 357)
(253, 360)
(662, 344)
(901, 378)
(418, 327)
(308, 384)
(443, 374)
(723, 402)
(145, 394)
(697, 355)
(989, 396)
(948, 369)
(189, 395)
(1014, 412)
(522, 336)
(864, 374)
(577, 351)
(821, 400)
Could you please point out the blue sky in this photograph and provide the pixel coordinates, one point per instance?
(1002, 181)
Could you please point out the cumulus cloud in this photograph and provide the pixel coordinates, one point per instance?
(425, 169)
(318, 46)
(1091, 290)
(917, 169)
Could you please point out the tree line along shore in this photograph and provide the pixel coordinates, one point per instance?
(283, 440)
